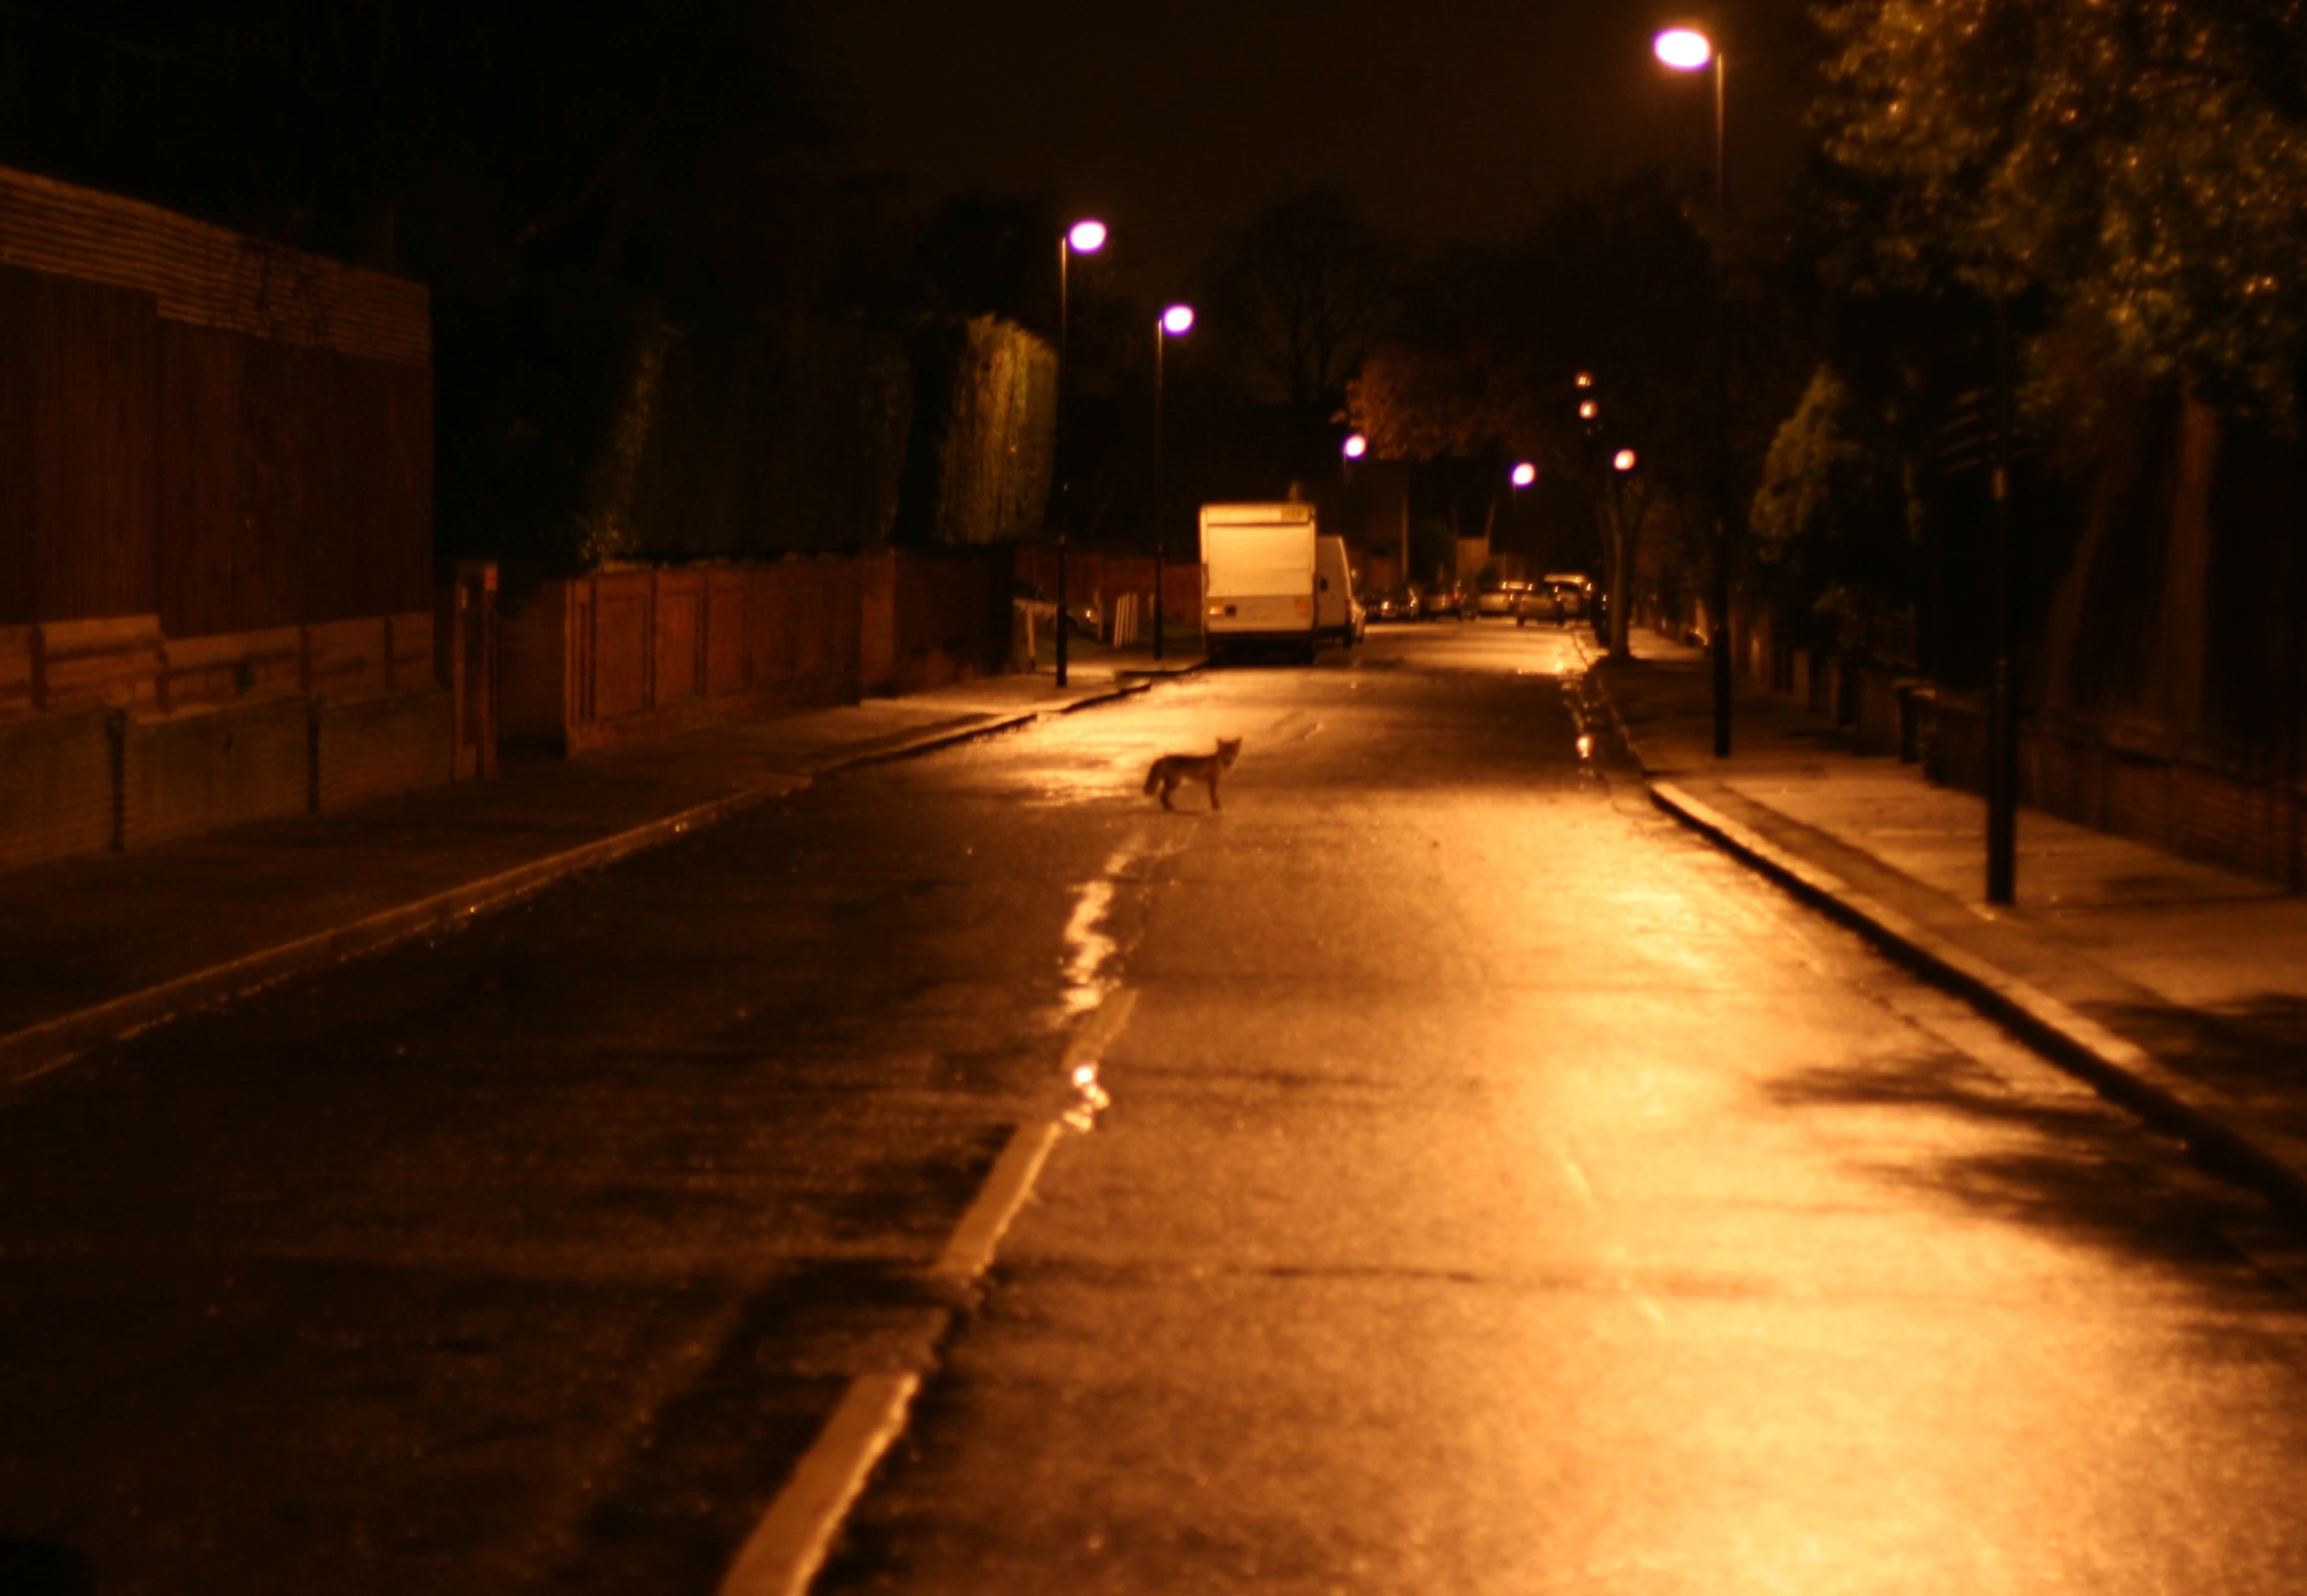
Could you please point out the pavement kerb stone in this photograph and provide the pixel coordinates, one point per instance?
(1126, 689)
(37, 1050)
(2271, 1165)
(931, 742)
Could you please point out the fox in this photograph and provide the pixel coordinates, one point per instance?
(1171, 768)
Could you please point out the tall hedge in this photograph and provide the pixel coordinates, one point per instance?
(580, 432)
(978, 464)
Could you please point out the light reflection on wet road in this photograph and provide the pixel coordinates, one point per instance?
(1501, 1192)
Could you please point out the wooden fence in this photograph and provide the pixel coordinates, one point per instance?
(627, 655)
(1103, 579)
(200, 428)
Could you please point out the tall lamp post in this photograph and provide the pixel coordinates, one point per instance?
(1355, 449)
(1617, 587)
(1623, 465)
(1175, 322)
(1085, 237)
(1689, 50)
(1524, 475)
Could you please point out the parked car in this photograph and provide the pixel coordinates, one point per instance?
(1446, 599)
(1400, 603)
(1540, 600)
(1498, 598)
(1575, 586)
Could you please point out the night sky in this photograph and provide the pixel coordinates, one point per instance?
(1442, 120)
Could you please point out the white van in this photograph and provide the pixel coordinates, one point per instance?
(1336, 608)
(1257, 576)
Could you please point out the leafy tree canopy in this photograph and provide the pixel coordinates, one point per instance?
(1615, 284)
(2145, 159)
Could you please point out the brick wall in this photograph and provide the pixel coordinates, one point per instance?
(2165, 798)
(2109, 778)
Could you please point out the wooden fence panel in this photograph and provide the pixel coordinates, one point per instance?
(227, 435)
(725, 652)
(76, 398)
(620, 645)
(680, 637)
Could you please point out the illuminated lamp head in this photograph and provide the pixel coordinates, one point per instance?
(1683, 49)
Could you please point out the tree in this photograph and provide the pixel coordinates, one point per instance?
(1833, 518)
(1301, 295)
(1615, 283)
(2144, 159)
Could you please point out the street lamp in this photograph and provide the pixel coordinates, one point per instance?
(1523, 475)
(1085, 237)
(1175, 322)
(1355, 447)
(1606, 530)
(1691, 50)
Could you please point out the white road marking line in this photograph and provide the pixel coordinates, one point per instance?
(788, 1545)
(1089, 950)
(1578, 1182)
(969, 1250)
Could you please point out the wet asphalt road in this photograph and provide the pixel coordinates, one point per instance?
(1501, 1192)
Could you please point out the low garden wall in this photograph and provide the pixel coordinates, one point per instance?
(2134, 782)
(114, 736)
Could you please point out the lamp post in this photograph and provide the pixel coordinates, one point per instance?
(1615, 586)
(1175, 322)
(1689, 50)
(1354, 448)
(1085, 237)
(1523, 475)
(1623, 465)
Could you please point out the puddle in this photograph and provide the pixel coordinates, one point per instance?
(1090, 957)
(1089, 1100)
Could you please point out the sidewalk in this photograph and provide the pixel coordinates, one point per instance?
(2176, 988)
(101, 947)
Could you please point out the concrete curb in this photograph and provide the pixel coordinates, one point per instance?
(35, 1051)
(2271, 1165)
(788, 1545)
